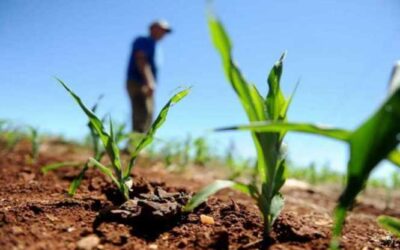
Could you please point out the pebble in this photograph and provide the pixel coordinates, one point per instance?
(17, 230)
(88, 243)
(153, 247)
(52, 218)
(208, 220)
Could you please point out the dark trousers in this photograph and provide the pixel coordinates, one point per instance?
(142, 108)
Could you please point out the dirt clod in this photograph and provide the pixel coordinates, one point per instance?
(156, 208)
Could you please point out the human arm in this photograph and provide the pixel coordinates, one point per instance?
(144, 69)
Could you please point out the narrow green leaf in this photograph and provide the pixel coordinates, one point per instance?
(77, 181)
(105, 170)
(211, 189)
(333, 133)
(54, 166)
(285, 109)
(275, 102)
(93, 134)
(369, 144)
(96, 104)
(161, 118)
(339, 219)
(390, 223)
(280, 177)
(243, 89)
(107, 140)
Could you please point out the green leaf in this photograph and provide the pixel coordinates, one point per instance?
(339, 219)
(369, 144)
(394, 157)
(108, 142)
(54, 166)
(93, 134)
(34, 138)
(243, 89)
(211, 189)
(280, 177)
(161, 118)
(105, 170)
(275, 102)
(77, 181)
(390, 223)
(333, 133)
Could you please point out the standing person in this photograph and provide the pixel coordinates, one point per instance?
(142, 76)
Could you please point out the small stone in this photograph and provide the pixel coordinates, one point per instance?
(17, 230)
(52, 218)
(88, 243)
(70, 229)
(208, 220)
(153, 246)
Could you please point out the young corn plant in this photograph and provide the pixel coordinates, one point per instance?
(373, 141)
(391, 187)
(98, 153)
(185, 151)
(120, 175)
(270, 158)
(12, 137)
(35, 143)
(201, 151)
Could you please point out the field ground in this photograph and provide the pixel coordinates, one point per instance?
(36, 213)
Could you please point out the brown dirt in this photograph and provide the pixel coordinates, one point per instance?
(36, 213)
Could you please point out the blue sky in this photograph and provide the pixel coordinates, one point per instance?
(342, 51)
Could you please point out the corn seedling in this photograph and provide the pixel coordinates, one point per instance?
(394, 185)
(169, 153)
(236, 167)
(35, 143)
(202, 151)
(98, 153)
(185, 152)
(270, 160)
(119, 174)
(373, 141)
(11, 135)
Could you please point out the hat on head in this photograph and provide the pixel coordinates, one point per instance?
(162, 24)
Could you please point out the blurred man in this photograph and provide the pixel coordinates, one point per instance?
(142, 76)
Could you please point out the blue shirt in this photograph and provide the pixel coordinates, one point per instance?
(148, 46)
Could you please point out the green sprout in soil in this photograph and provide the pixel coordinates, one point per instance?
(10, 135)
(35, 143)
(120, 175)
(98, 153)
(202, 151)
(373, 141)
(271, 165)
